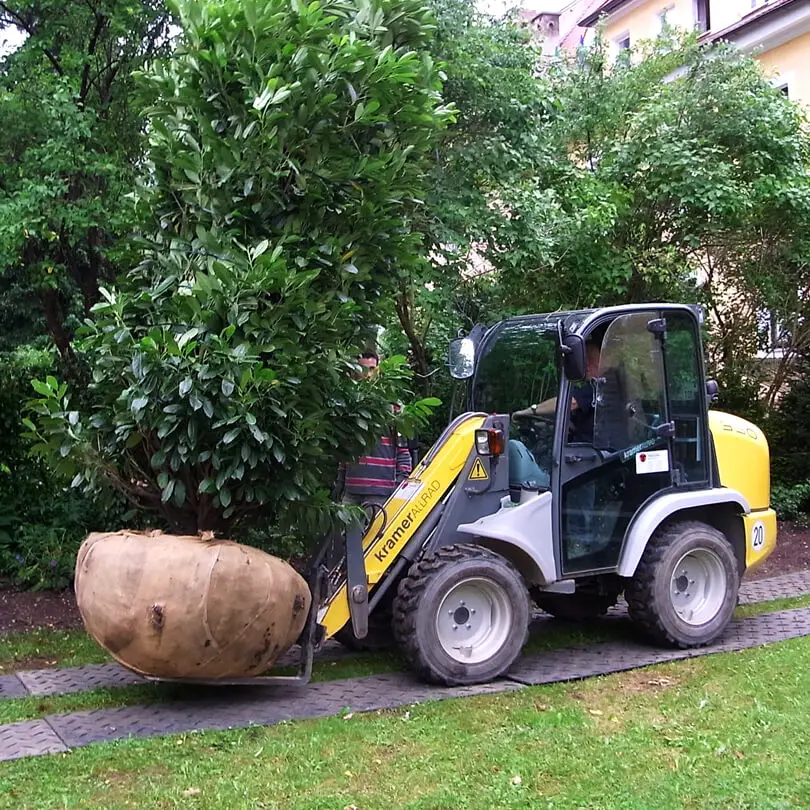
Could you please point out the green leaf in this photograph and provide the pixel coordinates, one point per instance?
(230, 435)
(41, 388)
(166, 494)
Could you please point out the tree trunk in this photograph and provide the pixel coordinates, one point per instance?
(418, 349)
(55, 318)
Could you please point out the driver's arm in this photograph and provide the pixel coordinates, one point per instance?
(547, 408)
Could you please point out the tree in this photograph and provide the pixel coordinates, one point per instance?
(287, 144)
(480, 163)
(69, 144)
(679, 173)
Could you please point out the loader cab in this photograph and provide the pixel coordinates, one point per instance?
(608, 410)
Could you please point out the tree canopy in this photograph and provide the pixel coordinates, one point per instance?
(287, 145)
(307, 172)
(70, 139)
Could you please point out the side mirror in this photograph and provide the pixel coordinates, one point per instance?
(461, 358)
(712, 390)
(573, 352)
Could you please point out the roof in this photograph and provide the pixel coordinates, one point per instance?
(571, 30)
(604, 8)
(754, 17)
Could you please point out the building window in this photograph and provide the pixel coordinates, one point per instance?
(784, 89)
(702, 18)
(623, 42)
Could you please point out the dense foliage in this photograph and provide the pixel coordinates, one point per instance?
(301, 184)
(42, 520)
(69, 144)
(286, 151)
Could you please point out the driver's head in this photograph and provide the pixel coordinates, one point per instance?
(592, 356)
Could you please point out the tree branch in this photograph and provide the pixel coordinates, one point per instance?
(19, 21)
(101, 22)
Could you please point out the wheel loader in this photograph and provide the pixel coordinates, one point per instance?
(587, 465)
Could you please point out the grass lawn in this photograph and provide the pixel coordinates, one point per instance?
(39, 649)
(722, 731)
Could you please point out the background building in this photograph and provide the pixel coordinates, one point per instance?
(777, 33)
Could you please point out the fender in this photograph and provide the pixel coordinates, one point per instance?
(656, 512)
(523, 534)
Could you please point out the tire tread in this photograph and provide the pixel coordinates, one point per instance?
(412, 589)
(639, 592)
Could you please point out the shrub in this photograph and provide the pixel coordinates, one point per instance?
(42, 521)
(287, 143)
(791, 502)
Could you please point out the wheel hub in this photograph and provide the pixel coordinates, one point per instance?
(474, 620)
(698, 586)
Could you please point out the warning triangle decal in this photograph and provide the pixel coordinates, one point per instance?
(478, 471)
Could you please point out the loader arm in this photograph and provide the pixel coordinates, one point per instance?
(404, 513)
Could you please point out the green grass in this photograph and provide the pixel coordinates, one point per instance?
(757, 608)
(38, 649)
(725, 731)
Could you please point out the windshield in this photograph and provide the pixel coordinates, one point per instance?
(520, 368)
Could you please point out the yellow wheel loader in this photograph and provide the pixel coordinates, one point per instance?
(587, 465)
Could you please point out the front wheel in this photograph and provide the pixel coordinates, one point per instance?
(685, 588)
(461, 616)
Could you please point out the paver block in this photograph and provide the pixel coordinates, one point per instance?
(12, 687)
(764, 590)
(78, 679)
(29, 739)
(617, 656)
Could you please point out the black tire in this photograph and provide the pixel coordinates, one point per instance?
(454, 571)
(653, 594)
(575, 607)
(379, 636)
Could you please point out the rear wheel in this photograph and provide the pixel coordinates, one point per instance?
(685, 588)
(461, 616)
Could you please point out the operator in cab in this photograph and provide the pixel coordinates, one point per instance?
(582, 400)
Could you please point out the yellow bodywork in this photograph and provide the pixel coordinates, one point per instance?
(743, 461)
(406, 510)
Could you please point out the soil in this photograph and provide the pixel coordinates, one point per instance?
(792, 552)
(56, 610)
(26, 610)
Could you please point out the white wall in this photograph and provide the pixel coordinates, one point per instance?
(727, 12)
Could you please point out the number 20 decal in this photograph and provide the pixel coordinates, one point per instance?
(758, 536)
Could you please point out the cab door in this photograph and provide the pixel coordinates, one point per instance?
(606, 474)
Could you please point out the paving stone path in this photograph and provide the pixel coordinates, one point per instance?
(225, 708)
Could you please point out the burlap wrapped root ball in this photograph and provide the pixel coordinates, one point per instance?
(183, 607)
